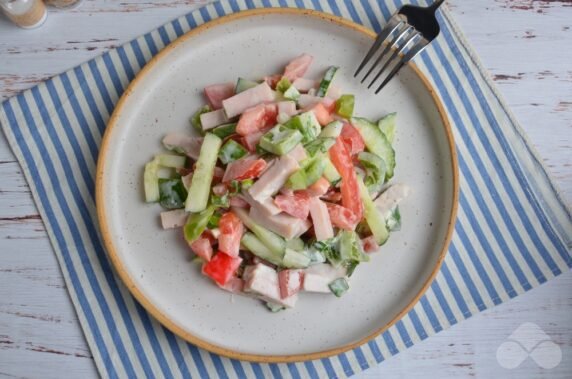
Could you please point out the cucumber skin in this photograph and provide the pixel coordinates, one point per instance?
(200, 188)
(377, 143)
(327, 81)
(258, 248)
(373, 217)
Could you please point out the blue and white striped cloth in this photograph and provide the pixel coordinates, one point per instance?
(513, 232)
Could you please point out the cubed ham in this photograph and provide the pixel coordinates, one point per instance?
(184, 143)
(249, 98)
(234, 285)
(273, 179)
(298, 67)
(352, 138)
(257, 119)
(187, 180)
(212, 119)
(266, 206)
(304, 85)
(244, 168)
(369, 244)
(329, 103)
(287, 108)
(216, 93)
(263, 281)
(238, 202)
(231, 230)
(202, 247)
(321, 219)
(297, 205)
(391, 197)
(334, 92)
(342, 217)
(282, 224)
(174, 219)
(319, 188)
(251, 140)
(290, 282)
(318, 277)
(298, 153)
(306, 101)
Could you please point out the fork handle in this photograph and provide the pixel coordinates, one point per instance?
(436, 5)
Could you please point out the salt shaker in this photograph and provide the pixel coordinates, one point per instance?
(27, 14)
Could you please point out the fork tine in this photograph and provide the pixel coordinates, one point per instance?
(385, 51)
(396, 52)
(393, 23)
(416, 49)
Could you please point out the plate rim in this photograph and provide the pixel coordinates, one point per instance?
(159, 314)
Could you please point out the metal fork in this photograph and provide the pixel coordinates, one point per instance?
(406, 34)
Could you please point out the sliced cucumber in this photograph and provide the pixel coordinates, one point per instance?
(292, 93)
(231, 151)
(295, 259)
(332, 130)
(196, 119)
(295, 244)
(171, 160)
(345, 106)
(244, 84)
(271, 240)
(327, 81)
(387, 126)
(373, 216)
(280, 140)
(225, 130)
(172, 193)
(330, 171)
(151, 181)
(394, 220)
(202, 177)
(307, 124)
(339, 286)
(256, 247)
(377, 143)
(197, 223)
(319, 145)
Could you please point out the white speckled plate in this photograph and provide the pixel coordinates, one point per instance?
(154, 263)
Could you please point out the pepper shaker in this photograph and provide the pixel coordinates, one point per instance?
(27, 14)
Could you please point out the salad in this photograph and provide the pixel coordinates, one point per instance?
(285, 190)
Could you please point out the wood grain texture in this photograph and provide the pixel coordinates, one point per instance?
(525, 46)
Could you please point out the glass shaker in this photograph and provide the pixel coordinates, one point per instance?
(27, 14)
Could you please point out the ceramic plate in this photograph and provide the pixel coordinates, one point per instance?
(155, 264)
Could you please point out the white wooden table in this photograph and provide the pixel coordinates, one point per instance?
(525, 44)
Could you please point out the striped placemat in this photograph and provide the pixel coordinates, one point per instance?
(513, 232)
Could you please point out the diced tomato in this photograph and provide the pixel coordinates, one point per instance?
(352, 139)
(234, 285)
(238, 202)
(342, 161)
(244, 169)
(290, 282)
(319, 188)
(342, 217)
(322, 114)
(216, 93)
(203, 248)
(221, 267)
(231, 230)
(298, 67)
(369, 244)
(272, 80)
(297, 204)
(256, 119)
